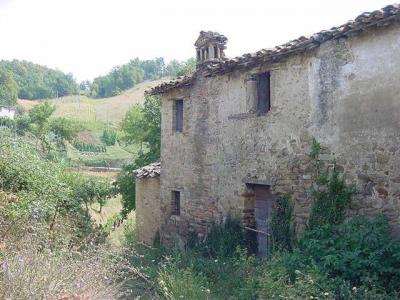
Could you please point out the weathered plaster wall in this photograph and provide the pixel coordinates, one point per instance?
(345, 94)
(148, 214)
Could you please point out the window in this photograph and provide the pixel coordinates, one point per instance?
(178, 116)
(264, 93)
(176, 203)
(215, 52)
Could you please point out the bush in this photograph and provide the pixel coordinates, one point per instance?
(177, 283)
(109, 136)
(357, 251)
(7, 122)
(85, 147)
(222, 239)
(281, 223)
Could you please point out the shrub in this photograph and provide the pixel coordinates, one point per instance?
(357, 251)
(7, 122)
(85, 147)
(222, 239)
(281, 223)
(109, 136)
(330, 200)
(177, 283)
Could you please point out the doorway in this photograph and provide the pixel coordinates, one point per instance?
(263, 204)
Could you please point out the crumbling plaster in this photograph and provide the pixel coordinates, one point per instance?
(345, 93)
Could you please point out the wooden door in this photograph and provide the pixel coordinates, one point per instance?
(262, 213)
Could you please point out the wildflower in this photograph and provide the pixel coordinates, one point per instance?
(216, 260)
(297, 272)
(208, 291)
(354, 289)
(326, 294)
(5, 266)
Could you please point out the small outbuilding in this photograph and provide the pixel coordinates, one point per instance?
(148, 214)
(8, 112)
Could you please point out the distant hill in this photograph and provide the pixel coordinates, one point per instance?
(36, 82)
(98, 111)
(96, 115)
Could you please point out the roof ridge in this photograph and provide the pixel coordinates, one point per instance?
(379, 18)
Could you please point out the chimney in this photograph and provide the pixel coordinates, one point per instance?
(210, 47)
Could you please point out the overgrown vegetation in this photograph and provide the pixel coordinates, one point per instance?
(283, 234)
(333, 259)
(49, 248)
(142, 126)
(109, 136)
(331, 195)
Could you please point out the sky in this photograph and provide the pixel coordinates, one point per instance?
(89, 37)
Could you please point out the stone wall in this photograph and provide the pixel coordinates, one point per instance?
(148, 214)
(344, 93)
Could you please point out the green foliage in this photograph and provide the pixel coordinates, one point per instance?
(39, 117)
(186, 68)
(7, 122)
(39, 82)
(91, 189)
(132, 125)
(125, 184)
(109, 136)
(177, 283)
(315, 149)
(331, 195)
(128, 75)
(281, 223)
(85, 147)
(22, 124)
(8, 88)
(331, 199)
(39, 184)
(222, 239)
(141, 125)
(64, 129)
(357, 252)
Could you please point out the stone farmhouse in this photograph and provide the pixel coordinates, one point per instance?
(237, 133)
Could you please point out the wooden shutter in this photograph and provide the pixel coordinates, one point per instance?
(179, 115)
(263, 88)
(176, 203)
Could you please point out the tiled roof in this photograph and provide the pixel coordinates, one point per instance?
(152, 170)
(378, 18)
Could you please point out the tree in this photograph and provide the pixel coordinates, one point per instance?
(39, 82)
(64, 129)
(132, 125)
(39, 116)
(8, 88)
(141, 125)
(91, 189)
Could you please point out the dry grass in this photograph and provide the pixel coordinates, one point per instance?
(30, 271)
(107, 110)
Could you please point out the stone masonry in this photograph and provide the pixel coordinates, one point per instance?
(340, 87)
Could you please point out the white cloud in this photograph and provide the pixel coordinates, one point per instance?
(88, 37)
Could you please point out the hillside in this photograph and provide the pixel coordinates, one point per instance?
(95, 115)
(98, 111)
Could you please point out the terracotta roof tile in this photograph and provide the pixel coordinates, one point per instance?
(152, 170)
(383, 17)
